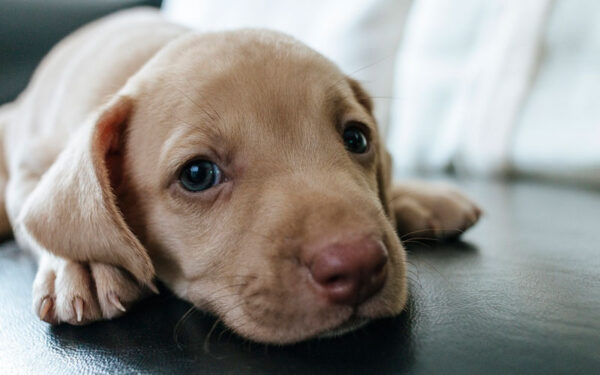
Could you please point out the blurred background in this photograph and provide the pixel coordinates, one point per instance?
(498, 88)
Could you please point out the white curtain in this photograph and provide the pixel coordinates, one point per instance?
(487, 87)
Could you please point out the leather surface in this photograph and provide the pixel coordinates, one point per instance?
(519, 294)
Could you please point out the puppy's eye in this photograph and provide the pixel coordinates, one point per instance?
(355, 140)
(199, 175)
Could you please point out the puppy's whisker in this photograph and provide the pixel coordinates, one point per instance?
(178, 325)
(224, 330)
(233, 322)
(433, 268)
(215, 111)
(217, 115)
(378, 61)
(421, 239)
(352, 73)
(206, 346)
(187, 97)
(191, 310)
(195, 104)
(443, 229)
(429, 230)
(416, 242)
(424, 230)
(385, 97)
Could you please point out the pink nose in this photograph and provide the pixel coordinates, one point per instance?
(348, 273)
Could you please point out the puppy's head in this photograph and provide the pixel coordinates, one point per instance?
(251, 172)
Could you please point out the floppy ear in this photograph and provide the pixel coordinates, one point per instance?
(384, 160)
(73, 210)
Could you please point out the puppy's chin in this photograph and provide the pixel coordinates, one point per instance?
(352, 324)
(283, 335)
(279, 336)
(286, 333)
(333, 322)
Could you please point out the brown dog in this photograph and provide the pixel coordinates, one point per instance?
(242, 169)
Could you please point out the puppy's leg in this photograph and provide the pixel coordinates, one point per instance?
(432, 211)
(76, 293)
(67, 291)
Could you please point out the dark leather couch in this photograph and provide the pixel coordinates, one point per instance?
(519, 295)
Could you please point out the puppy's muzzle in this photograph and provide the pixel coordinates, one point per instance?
(347, 272)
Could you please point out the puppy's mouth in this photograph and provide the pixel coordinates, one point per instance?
(349, 325)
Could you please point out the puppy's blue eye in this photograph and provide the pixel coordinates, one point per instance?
(355, 140)
(199, 175)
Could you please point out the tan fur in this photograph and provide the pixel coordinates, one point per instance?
(95, 144)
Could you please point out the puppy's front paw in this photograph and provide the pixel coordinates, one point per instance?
(76, 293)
(432, 211)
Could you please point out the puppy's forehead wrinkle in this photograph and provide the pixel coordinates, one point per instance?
(203, 105)
(295, 132)
(266, 99)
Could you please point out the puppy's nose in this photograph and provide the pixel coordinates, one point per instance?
(349, 273)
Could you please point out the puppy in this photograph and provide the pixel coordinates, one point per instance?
(242, 169)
